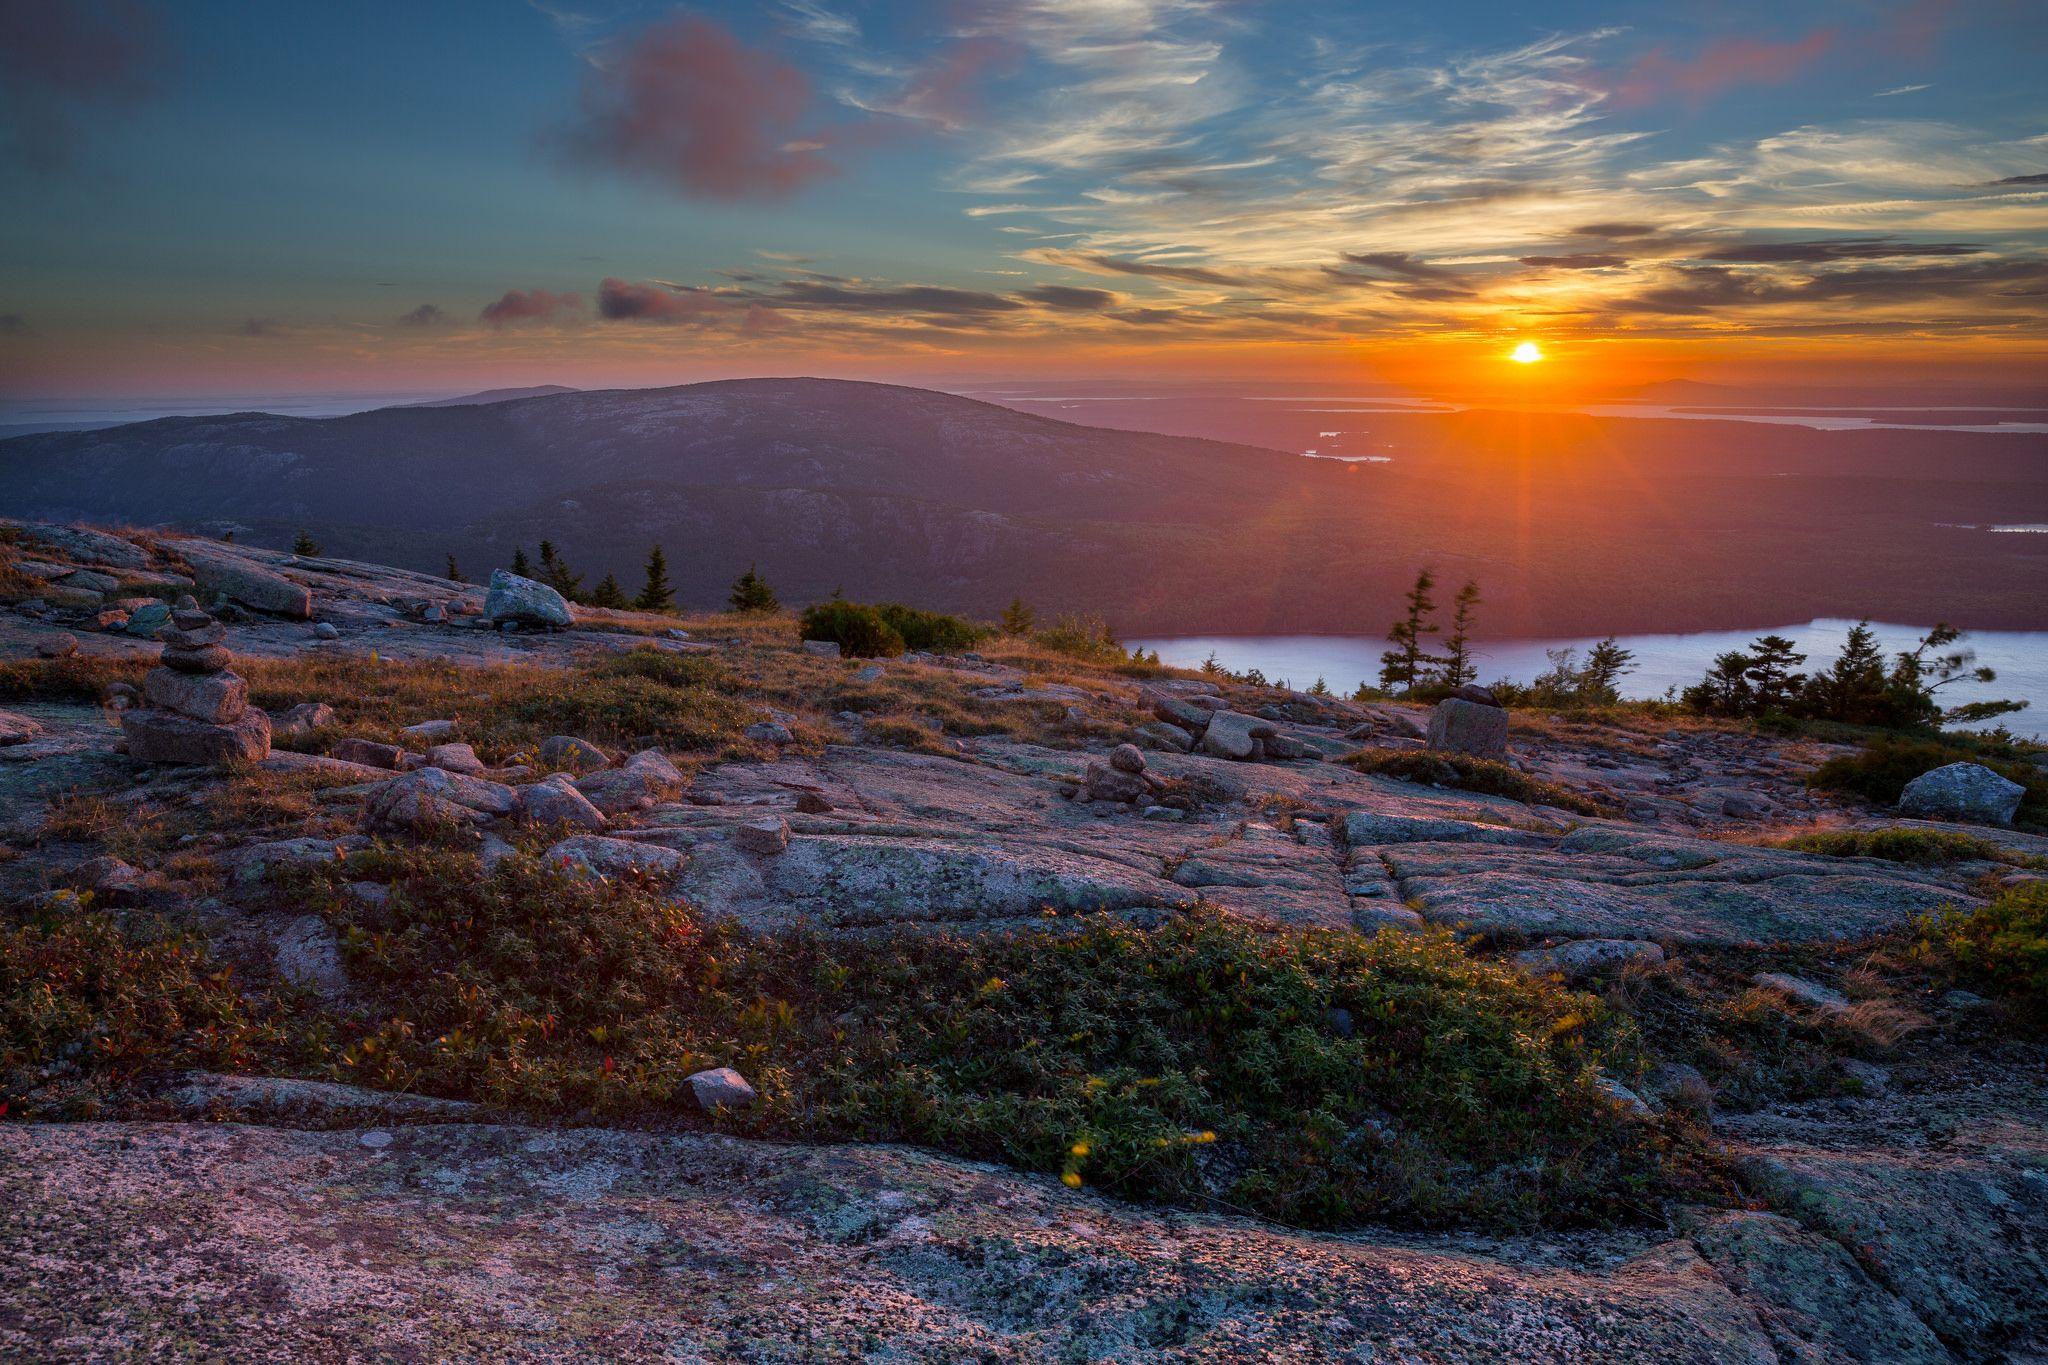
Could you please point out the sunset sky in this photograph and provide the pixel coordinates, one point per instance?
(237, 198)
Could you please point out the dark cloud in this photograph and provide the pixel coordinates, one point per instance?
(64, 61)
(1708, 288)
(1399, 264)
(2037, 179)
(689, 106)
(624, 301)
(929, 299)
(1070, 299)
(1617, 232)
(1118, 265)
(426, 315)
(1581, 261)
(528, 305)
(1836, 249)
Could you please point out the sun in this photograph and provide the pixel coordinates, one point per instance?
(1528, 353)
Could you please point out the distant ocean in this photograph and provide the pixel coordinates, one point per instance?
(1662, 662)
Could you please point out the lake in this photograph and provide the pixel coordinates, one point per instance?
(1662, 661)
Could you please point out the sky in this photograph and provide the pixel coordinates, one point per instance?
(208, 198)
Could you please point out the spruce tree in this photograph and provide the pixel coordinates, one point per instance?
(1405, 666)
(1772, 679)
(752, 596)
(608, 593)
(520, 565)
(1458, 666)
(1018, 619)
(656, 595)
(555, 572)
(305, 545)
(454, 574)
(1599, 683)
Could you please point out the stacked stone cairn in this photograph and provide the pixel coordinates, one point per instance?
(195, 711)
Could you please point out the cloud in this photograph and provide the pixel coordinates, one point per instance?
(1657, 77)
(1102, 264)
(928, 299)
(1069, 299)
(1900, 90)
(426, 315)
(528, 305)
(2036, 179)
(623, 301)
(1836, 249)
(1616, 232)
(1399, 264)
(62, 62)
(688, 106)
(1700, 289)
(1579, 261)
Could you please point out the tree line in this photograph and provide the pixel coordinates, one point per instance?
(1413, 668)
(1859, 688)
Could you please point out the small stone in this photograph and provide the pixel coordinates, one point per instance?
(555, 801)
(1586, 957)
(376, 1139)
(607, 857)
(456, 758)
(1809, 993)
(721, 1088)
(1160, 735)
(17, 729)
(429, 730)
(326, 630)
(145, 621)
(110, 620)
(1167, 814)
(868, 673)
(302, 719)
(1127, 758)
(1622, 1096)
(823, 649)
(210, 632)
(208, 659)
(768, 836)
(1869, 1078)
(1339, 1020)
(1477, 695)
(770, 732)
(215, 698)
(367, 751)
(811, 803)
(57, 647)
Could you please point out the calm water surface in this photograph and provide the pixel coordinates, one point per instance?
(1662, 661)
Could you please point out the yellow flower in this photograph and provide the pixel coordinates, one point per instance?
(1071, 1180)
(1078, 1149)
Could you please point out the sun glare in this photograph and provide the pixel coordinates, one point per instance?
(1528, 353)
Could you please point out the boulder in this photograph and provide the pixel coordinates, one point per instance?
(1106, 782)
(216, 698)
(813, 803)
(204, 659)
(1282, 748)
(455, 758)
(770, 732)
(429, 730)
(636, 784)
(1962, 791)
(88, 547)
(16, 728)
(431, 796)
(326, 630)
(769, 835)
(57, 647)
(823, 649)
(166, 737)
(144, 622)
(1586, 957)
(721, 1088)
(572, 754)
(1166, 737)
(237, 579)
(1809, 993)
(1469, 727)
(1477, 695)
(91, 581)
(1127, 758)
(1178, 711)
(555, 801)
(368, 752)
(1232, 734)
(302, 719)
(605, 857)
(525, 602)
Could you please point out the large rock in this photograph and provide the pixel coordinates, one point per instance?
(368, 752)
(90, 547)
(573, 754)
(1469, 727)
(1962, 791)
(430, 796)
(1178, 711)
(637, 784)
(1232, 734)
(555, 801)
(252, 585)
(166, 737)
(215, 698)
(525, 602)
(594, 853)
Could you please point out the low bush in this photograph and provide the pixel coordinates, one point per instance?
(2001, 947)
(932, 630)
(1198, 1063)
(1464, 772)
(859, 630)
(1087, 638)
(1921, 847)
(1880, 770)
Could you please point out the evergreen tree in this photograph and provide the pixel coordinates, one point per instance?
(1772, 679)
(305, 545)
(556, 573)
(1854, 688)
(454, 574)
(752, 595)
(1458, 668)
(1018, 619)
(1407, 665)
(1725, 691)
(656, 595)
(520, 565)
(608, 593)
(1319, 688)
(1600, 680)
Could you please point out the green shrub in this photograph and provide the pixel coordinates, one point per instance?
(931, 630)
(1880, 770)
(1464, 772)
(858, 630)
(1196, 1063)
(1082, 637)
(1922, 847)
(2002, 947)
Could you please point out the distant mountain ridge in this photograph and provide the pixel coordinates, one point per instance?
(1573, 525)
(467, 400)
